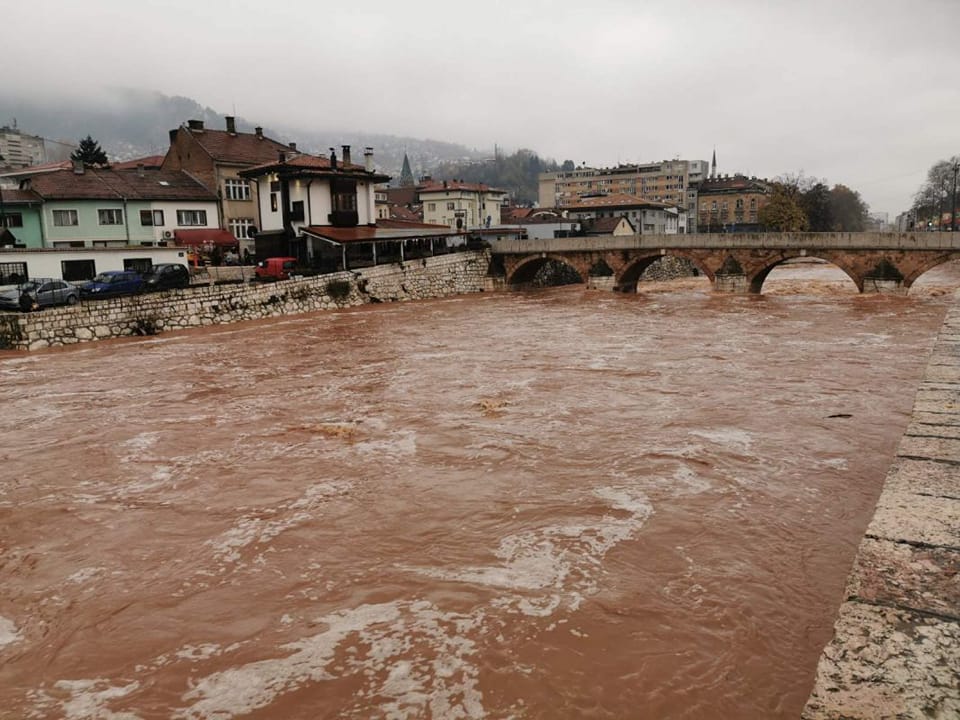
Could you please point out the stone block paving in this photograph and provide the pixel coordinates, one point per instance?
(896, 646)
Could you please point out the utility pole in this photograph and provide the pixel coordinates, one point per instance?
(953, 205)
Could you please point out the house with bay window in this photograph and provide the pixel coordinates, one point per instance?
(322, 210)
(104, 207)
(216, 158)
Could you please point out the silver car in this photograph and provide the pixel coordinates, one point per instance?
(39, 292)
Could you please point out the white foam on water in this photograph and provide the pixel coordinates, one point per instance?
(555, 566)
(8, 632)
(85, 574)
(728, 437)
(141, 442)
(204, 651)
(89, 698)
(255, 531)
(402, 444)
(412, 656)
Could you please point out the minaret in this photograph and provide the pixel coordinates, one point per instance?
(713, 167)
(406, 174)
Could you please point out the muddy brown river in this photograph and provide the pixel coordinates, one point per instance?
(555, 504)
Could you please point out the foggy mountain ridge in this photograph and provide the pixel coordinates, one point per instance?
(130, 123)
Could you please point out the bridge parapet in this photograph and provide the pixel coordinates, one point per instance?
(737, 262)
(757, 241)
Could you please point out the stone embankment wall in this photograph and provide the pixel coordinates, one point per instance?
(896, 646)
(433, 277)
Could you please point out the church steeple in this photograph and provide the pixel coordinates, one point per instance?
(406, 174)
(713, 166)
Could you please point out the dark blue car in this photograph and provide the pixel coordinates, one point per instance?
(112, 283)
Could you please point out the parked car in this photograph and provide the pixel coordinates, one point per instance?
(276, 268)
(166, 276)
(112, 283)
(39, 292)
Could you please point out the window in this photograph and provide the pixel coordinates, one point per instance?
(739, 203)
(110, 216)
(240, 228)
(191, 217)
(65, 218)
(12, 273)
(151, 218)
(274, 186)
(73, 270)
(139, 265)
(235, 189)
(13, 220)
(450, 206)
(273, 202)
(296, 210)
(432, 207)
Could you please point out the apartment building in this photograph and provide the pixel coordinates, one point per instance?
(665, 182)
(731, 203)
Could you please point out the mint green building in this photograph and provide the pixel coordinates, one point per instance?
(20, 215)
(102, 207)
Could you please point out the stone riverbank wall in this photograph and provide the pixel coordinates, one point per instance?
(464, 272)
(896, 646)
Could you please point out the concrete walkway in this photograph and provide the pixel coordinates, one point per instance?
(896, 646)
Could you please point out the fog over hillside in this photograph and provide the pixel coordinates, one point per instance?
(131, 123)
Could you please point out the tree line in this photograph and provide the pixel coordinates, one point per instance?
(517, 174)
(798, 203)
(932, 203)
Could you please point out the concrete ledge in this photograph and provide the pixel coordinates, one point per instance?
(887, 663)
(896, 646)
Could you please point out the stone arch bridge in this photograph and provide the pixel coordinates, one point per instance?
(734, 262)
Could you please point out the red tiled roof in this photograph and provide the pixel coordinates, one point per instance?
(436, 186)
(400, 212)
(18, 197)
(366, 233)
(400, 223)
(239, 148)
(737, 183)
(109, 184)
(402, 195)
(151, 162)
(36, 169)
(607, 225)
(205, 236)
(303, 161)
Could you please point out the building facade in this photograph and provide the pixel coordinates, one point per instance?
(647, 217)
(665, 182)
(460, 205)
(731, 204)
(102, 207)
(216, 158)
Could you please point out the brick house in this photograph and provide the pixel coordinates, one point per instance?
(216, 158)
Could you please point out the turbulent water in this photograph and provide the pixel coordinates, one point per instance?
(556, 504)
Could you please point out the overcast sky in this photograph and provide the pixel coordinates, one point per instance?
(858, 92)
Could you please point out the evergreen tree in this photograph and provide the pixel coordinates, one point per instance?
(816, 203)
(90, 153)
(850, 212)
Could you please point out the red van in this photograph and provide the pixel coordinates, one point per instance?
(276, 268)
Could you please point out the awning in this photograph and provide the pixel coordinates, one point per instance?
(205, 236)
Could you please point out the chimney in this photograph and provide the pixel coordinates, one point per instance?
(333, 159)
(173, 135)
(196, 125)
(78, 168)
(258, 131)
(368, 159)
(293, 146)
(231, 124)
(346, 155)
(140, 172)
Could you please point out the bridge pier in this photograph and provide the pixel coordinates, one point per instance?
(731, 284)
(880, 286)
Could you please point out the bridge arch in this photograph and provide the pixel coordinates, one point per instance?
(526, 270)
(757, 279)
(926, 265)
(629, 276)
